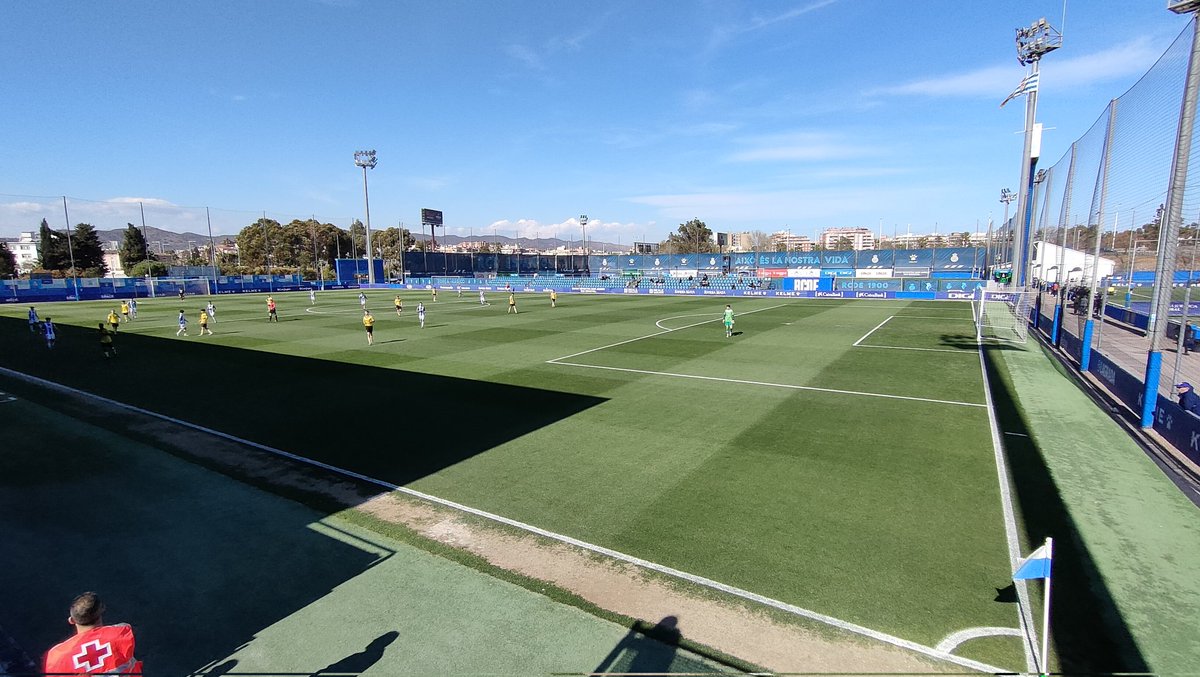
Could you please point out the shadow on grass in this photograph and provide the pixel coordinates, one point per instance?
(388, 424)
(1080, 598)
(196, 563)
(199, 565)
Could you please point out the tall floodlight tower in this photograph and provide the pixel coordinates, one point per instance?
(1032, 44)
(583, 221)
(1006, 197)
(366, 160)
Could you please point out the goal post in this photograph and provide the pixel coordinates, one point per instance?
(170, 286)
(1002, 315)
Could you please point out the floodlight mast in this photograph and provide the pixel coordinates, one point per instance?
(366, 160)
(1033, 43)
(1006, 196)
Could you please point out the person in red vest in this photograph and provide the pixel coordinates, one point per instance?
(96, 647)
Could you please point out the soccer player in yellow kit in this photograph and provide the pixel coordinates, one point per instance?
(399, 306)
(125, 310)
(113, 320)
(369, 325)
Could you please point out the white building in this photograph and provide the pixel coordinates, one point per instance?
(24, 248)
(860, 238)
(1076, 266)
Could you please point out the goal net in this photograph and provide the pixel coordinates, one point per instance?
(1002, 315)
(170, 286)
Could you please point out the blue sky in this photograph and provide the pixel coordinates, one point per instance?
(517, 117)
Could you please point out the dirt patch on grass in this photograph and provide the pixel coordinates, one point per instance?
(729, 626)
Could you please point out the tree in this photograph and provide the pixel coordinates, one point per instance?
(53, 253)
(760, 241)
(693, 236)
(89, 253)
(358, 238)
(844, 243)
(148, 268)
(133, 249)
(257, 240)
(8, 261)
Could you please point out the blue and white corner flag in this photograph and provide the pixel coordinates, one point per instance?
(1037, 565)
(1028, 84)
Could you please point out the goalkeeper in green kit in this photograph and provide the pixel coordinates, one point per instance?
(728, 321)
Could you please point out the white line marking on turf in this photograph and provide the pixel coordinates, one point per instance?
(1006, 432)
(678, 317)
(667, 571)
(951, 642)
(657, 333)
(1010, 522)
(767, 384)
(928, 350)
(860, 339)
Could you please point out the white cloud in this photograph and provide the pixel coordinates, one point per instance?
(1123, 60)
(526, 55)
(567, 229)
(802, 146)
(723, 34)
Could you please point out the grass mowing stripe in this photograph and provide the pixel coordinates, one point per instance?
(668, 571)
(764, 383)
(657, 333)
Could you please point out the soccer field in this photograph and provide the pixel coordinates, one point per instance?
(835, 456)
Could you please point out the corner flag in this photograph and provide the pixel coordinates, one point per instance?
(1028, 84)
(1037, 565)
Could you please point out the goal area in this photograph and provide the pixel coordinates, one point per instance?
(170, 286)
(1002, 315)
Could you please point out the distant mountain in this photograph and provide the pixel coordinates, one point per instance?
(162, 240)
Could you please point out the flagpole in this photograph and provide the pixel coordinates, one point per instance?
(1046, 614)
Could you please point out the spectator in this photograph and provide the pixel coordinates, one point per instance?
(1189, 337)
(1188, 399)
(96, 647)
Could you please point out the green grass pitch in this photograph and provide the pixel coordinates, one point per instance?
(833, 455)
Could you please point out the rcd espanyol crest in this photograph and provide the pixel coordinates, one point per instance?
(683, 262)
(912, 258)
(604, 262)
(631, 262)
(875, 258)
(954, 257)
(656, 262)
(712, 261)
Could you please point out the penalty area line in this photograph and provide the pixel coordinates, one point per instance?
(657, 333)
(766, 384)
(630, 559)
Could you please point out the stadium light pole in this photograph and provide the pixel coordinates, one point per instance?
(366, 160)
(583, 221)
(1006, 197)
(71, 250)
(1033, 43)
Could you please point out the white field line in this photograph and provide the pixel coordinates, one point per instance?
(933, 317)
(929, 350)
(1010, 522)
(767, 384)
(657, 333)
(668, 571)
(951, 642)
(864, 336)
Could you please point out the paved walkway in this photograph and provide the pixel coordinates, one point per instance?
(1128, 347)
